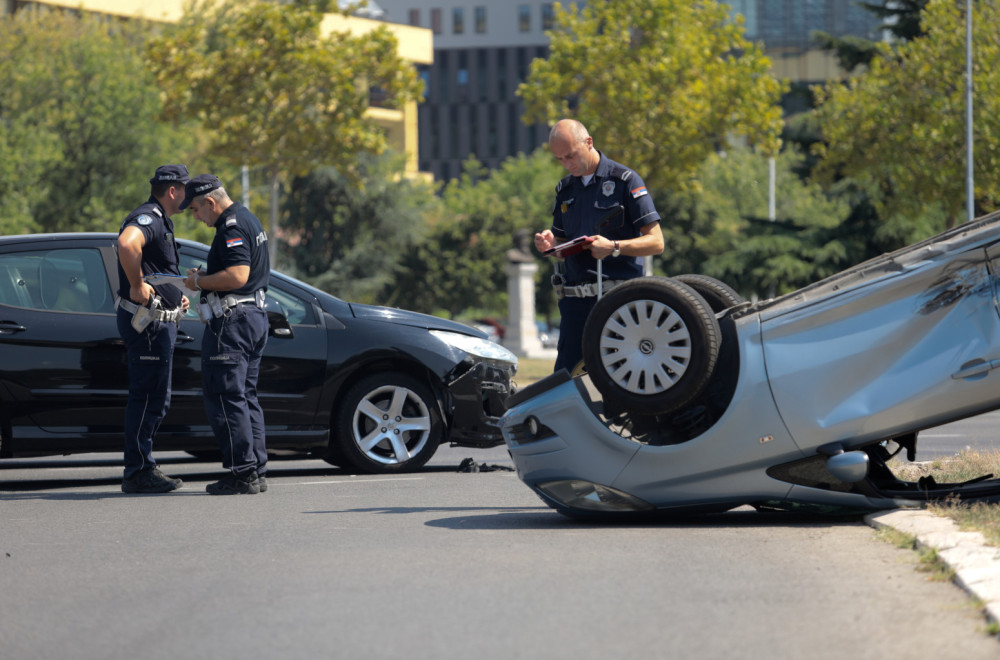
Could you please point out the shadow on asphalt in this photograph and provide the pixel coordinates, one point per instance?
(542, 517)
(212, 473)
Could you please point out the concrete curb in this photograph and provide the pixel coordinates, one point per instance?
(976, 564)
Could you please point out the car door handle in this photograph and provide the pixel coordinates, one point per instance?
(977, 368)
(10, 327)
(184, 339)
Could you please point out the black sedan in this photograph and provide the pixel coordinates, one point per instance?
(371, 388)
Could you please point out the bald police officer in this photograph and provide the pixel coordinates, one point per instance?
(147, 323)
(232, 304)
(585, 199)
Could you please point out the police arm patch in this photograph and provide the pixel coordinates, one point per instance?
(144, 220)
(639, 192)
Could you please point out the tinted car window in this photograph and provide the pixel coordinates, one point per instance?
(297, 310)
(65, 280)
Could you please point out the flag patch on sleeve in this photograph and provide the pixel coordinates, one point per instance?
(234, 242)
(639, 192)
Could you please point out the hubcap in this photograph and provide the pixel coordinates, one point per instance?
(645, 347)
(391, 425)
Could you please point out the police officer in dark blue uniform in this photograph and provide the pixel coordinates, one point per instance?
(233, 286)
(608, 203)
(147, 323)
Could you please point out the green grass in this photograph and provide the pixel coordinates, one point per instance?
(979, 517)
(530, 370)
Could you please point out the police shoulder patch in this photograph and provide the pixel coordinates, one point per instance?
(144, 220)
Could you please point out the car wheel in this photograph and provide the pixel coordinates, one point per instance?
(719, 295)
(389, 422)
(650, 345)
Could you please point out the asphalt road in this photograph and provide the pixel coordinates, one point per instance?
(439, 564)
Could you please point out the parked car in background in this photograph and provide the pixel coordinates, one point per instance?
(548, 336)
(694, 400)
(371, 388)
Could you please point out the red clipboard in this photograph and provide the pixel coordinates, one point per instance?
(569, 248)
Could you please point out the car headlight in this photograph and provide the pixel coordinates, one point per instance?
(489, 350)
(587, 496)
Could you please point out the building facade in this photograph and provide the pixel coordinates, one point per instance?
(483, 51)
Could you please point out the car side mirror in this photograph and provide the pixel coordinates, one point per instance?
(277, 320)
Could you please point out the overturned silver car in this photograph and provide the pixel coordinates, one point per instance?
(695, 401)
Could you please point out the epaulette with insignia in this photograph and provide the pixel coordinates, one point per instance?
(230, 222)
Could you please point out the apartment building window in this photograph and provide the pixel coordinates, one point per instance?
(415, 17)
(474, 131)
(462, 76)
(501, 73)
(481, 20)
(548, 16)
(435, 133)
(491, 127)
(482, 76)
(436, 21)
(524, 18)
(455, 131)
(425, 75)
(444, 82)
(458, 20)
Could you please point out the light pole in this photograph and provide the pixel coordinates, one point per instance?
(970, 202)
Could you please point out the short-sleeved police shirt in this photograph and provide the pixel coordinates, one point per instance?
(240, 241)
(580, 208)
(159, 254)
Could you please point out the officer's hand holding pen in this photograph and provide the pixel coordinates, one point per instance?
(191, 281)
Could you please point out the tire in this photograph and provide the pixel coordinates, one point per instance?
(650, 345)
(719, 295)
(388, 422)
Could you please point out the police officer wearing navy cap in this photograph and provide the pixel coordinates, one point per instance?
(232, 304)
(586, 199)
(147, 323)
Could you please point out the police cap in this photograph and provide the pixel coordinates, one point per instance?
(198, 186)
(171, 174)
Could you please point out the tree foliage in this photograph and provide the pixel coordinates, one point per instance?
(273, 90)
(759, 255)
(900, 128)
(461, 264)
(79, 136)
(660, 83)
(348, 235)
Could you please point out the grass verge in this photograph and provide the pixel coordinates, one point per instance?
(530, 370)
(969, 464)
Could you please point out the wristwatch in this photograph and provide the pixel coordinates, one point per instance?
(617, 250)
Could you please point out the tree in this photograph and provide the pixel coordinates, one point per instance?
(273, 91)
(751, 252)
(348, 235)
(79, 135)
(900, 128)
(461, 264)
(660, 83)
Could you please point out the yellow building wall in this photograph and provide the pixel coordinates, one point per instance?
(416, 45)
